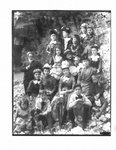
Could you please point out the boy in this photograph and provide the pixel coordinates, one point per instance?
(79, 107)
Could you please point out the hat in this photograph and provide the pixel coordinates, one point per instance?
(68, 51)
(65, 64)
(36, 71)
(29, 53)
(95, 46)
(73, 69)
(84, 25)
(46, 66)
(53, 31)
(66, 29)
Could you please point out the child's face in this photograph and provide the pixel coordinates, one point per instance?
(76, 62)
(66, 72)
(78, 90)
(89, 31)
(83, 30)
(68, 56)
(30, 57)
(58, 51)
(46, 72)
(65, 34)
(75, 41)
(24, 105)
(37, 75)
(94, 51)
(53, 37)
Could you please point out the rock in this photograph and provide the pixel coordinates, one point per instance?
(77, 130)
(106, 127)
(107, 116)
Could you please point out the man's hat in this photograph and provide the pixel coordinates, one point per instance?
(36, 71)
(46, 66)
(66, 29)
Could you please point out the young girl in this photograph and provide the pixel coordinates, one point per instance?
(52, 45)
(57, 57)
(22, 115)
(33, 88)
(68, 56)
(76, 47)
(95, 59)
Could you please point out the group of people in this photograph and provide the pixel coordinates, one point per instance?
(65, 89)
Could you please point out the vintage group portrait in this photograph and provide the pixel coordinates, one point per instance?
(61, 72)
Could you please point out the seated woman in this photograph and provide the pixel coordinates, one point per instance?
(79, 107)
(33, 87)
(95, 59)
(48, 83)
(66, 86)
(76, 47)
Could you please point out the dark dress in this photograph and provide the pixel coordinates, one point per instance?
(28, 73)
(48, 84)
(77, 50)
(66, 45)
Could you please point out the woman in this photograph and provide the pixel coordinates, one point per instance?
(48, 83)
(66, 86)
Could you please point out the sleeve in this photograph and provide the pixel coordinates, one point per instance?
(87, 101)
(60, 85)
(100, 63)
(48, 108)
(48, 49)
(71, 101)
(23, 68)
(41, 84)
(73, 82)
(29, 88)
(54, 85)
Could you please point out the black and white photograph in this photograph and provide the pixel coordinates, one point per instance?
(61, 72)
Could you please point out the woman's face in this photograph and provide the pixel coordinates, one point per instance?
(76, 62)
(66, 72)
(24, 105)
(58, 51)
(65, 34)
(30, 57)
(68, 56)
(53, 37)
(75, 41)
(86, 63)
(83, 30)
(89, 31)
(78, 90)
(94, 51)
(46, 72)
(37, 75)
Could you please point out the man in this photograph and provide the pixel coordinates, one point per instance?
(28, 69)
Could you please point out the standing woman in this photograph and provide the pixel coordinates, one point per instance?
(66, 41)
(28, 69)
(83, 32)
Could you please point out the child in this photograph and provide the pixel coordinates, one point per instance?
(76, 47)
(52, 45)
(66, 41)
(33, 88)
(44, 111)
(99, 84)
(79, 106)
(22, 115)
(95, 59)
